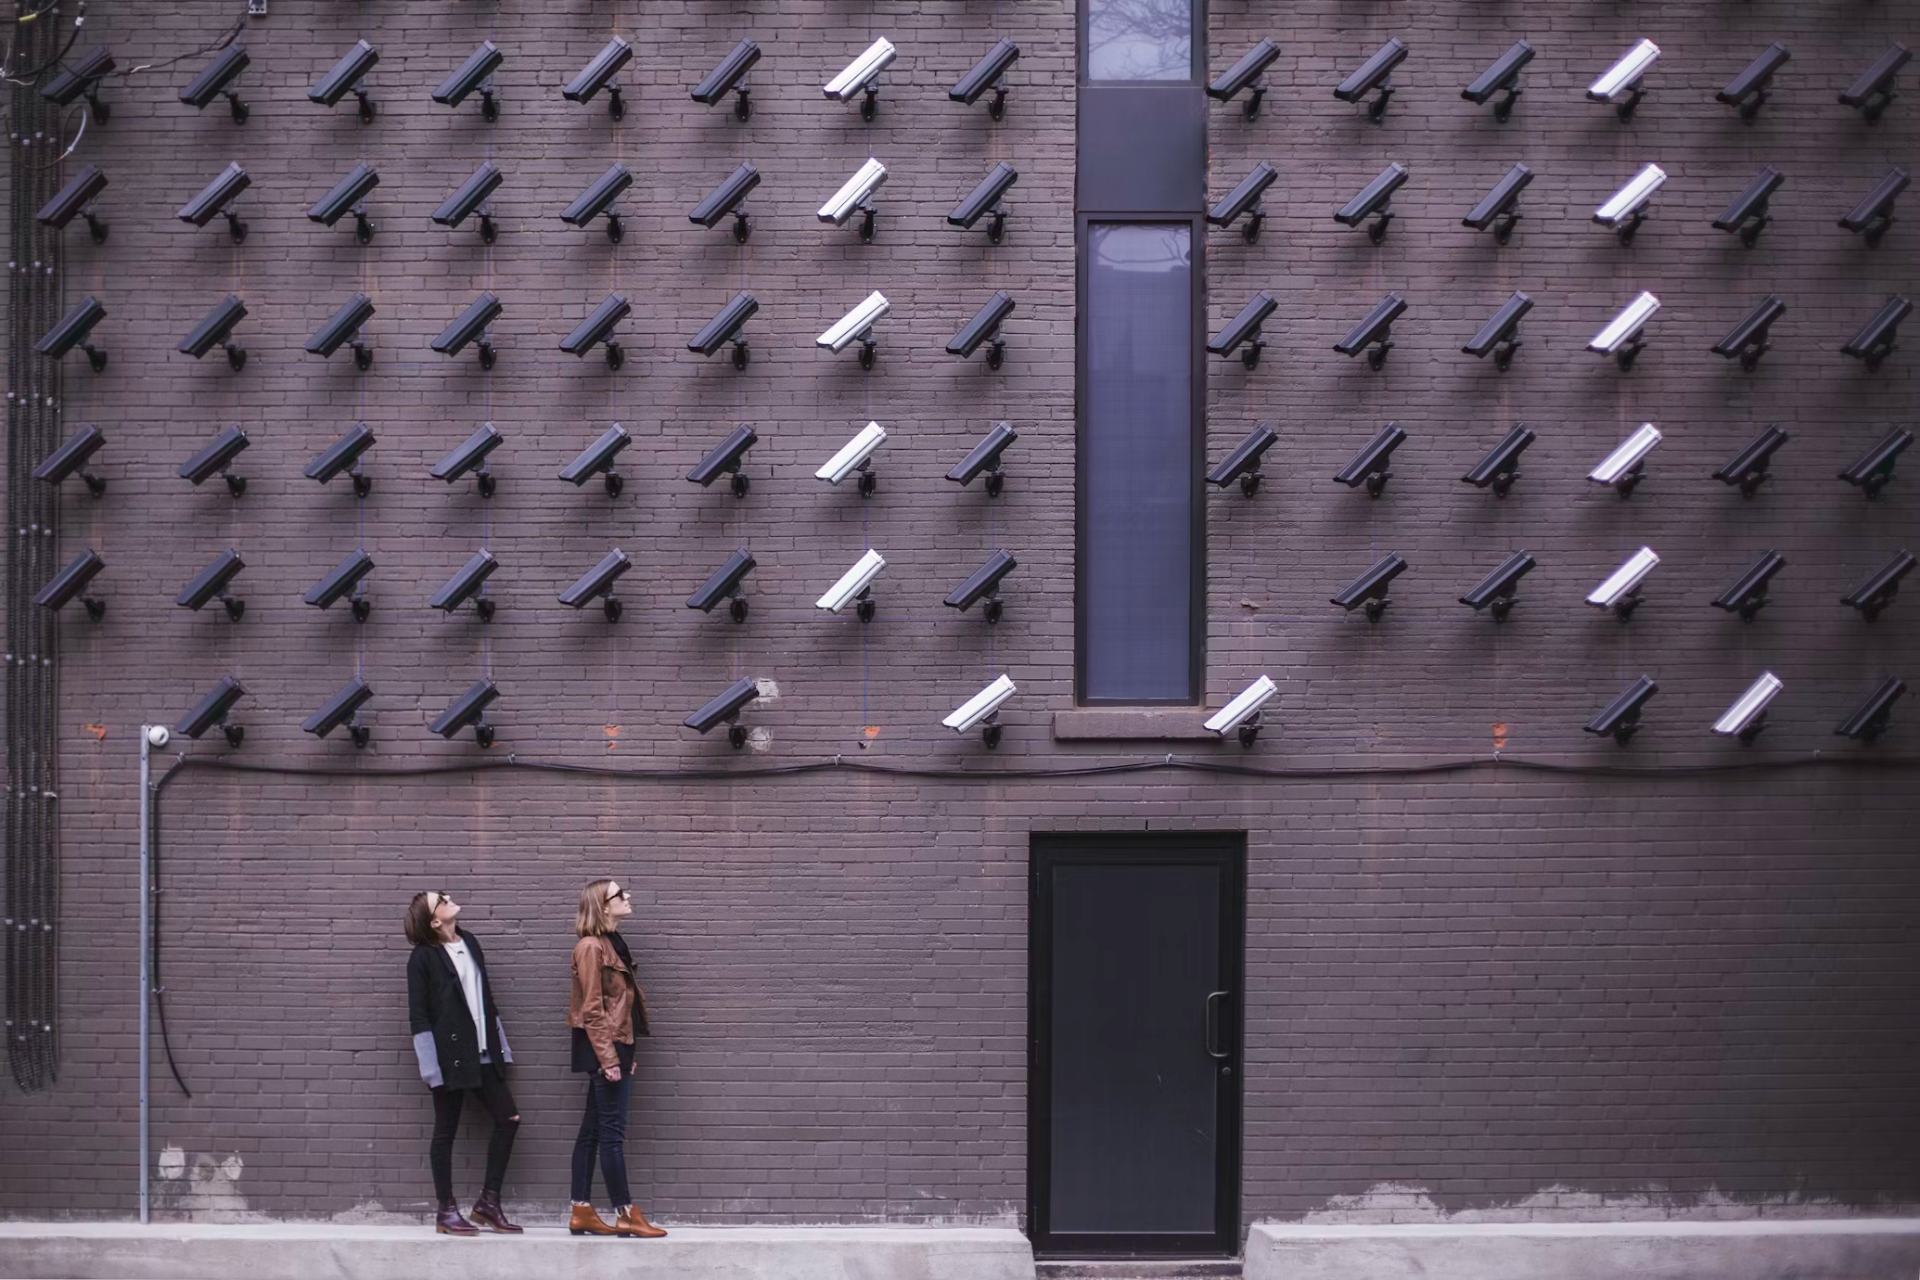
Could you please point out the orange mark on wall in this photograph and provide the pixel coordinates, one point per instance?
(613, 735)
(1499, 737)
(97, 731)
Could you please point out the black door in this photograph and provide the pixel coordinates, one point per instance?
(1134, 1039)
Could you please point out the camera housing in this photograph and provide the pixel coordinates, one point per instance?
(1620, 84)
(1372, 203)
(597, 459)
(598, 199)
(1626, 209)
(1496, 592)
(598, 74)
(724, 584)
(71, 581)
(856, 584)
(857, 325)
(1241, 715)
(725, 328)
(1748, 595)
(856, 455)
(726, 458)
(469, 198)
(1372, 75)
(216, 79)
(856, 195)
(469, 710)
(861, 76)
(215, 708)
(343, 329)
(1243, 463)
(730, 77)
(216, 330)
(1748, 91)
(726, 199)
(1243, 331)
(1876, 593)
(1502, 77)
(80, 78)
(598, 328)
(73, 331)
(1369, 466)
(1374, 333)
(348, 195)
(982, 710)
(75, 199)
(1747, 216)
(469, 325)
(71, 459)
(1244, 77)
(1501, 467)
(990, 72)
(1244, 201)
(1623, 469)
(1875, 341)
(213, 199)
(1872, 471)
(1748, 339)
(1870, 719)
(1497, 208)
(1619, 591)
(212, 582)
(1500, 335)
(1620, 719)
(989, 194)
(1748, 714)
(471, 455)
(341, 711)
(983, 584)
(474, 73)
(1872, 90)
(467, 583)
(343, 456)
(341, 581)
(1369, 590)
(345, 78)
(597, 584)
(1621, 336)
(215, 459)
(1749, 468)
(985, 457)
(724, 708)
(984, 327)
(1874, 214)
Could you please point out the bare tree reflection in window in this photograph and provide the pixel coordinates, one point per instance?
(1139, 39)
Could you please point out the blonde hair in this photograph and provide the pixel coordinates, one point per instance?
(592, 919)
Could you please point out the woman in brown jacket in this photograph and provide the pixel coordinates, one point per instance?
(607, 1011)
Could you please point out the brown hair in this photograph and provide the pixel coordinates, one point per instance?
(419, 921)
(592, 919)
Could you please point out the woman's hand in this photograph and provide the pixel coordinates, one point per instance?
(612, 1074)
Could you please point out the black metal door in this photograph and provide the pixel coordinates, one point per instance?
(1134, 1125)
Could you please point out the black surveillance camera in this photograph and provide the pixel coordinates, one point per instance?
(213, 710)
(724, 708)
(71, 581)
(1496, 208)
(1244, 330)
(343, 328)
(470, 75)
(340, 711)
(80, 78)
(598, 199)
(597, 584)
(1748, 91)
(212, 582)
(348, 194)
(1497, 591)
(1244, 200)
(216, 80)
(597, 328)
(1244, 76)
(724, 584)
(597, 460)
(726, 458)
(466, 584)
(1748, 595)
(984, 327)
(471, 455)
(1875, 341)
(73, 331)
(1370, 466)
(1748, 340)
(469, 325)
(469, 710)
(725, 327)
(1874, 214)
(1620, 719)
(1372, 203)
(343, 457)
(988, 73)
(469, 198)
(1372, 75)
(214, 198)
(71, 459)
(1369, 590)
(1877, 592)
(216, 330)
(598, 74)
(1501, 467)
(729, 77)
(1500, 335)
(1873, 90)
(342, 580)
(1375, 331)
(1747, 216)
(215, 458)
(1503, 77)
(1873, 470)
(985, 456)
(987, 196)
(75, 199)
(345, 78)
(1243, 464)
(983, 584)
(1749, 468)
(725, 199)
(1870, 719)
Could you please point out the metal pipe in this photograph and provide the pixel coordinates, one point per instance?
(146, 955)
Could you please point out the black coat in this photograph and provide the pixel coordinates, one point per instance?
(445, 1040)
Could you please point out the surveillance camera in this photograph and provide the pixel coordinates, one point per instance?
(214, 460)
(1621, 470)
(724, 584)
(1748, 340)
(73, 331)
(1500, 335)
(1749, 467)
(212, 582)
(1496, 208)
(983, 584)
(1869, 719)
(213, 709)
(214, 198)
(1374, 331)
(1500, 468)
(1369, 466)
(343, 329)
(1748, 714)
(1748, 596)
(1874, 214)
(857, 324)
(1620, 337)
(470, 198)
(216, 330)
(1747, 215)
(1875, 341)
(338, 584)
(728, 78)
(1871, 473)
(1877, 592)
(71, 581)
(1620, 590)
(726, 199)
(1243, 464)
(345, 78)
(1372, 75)
(1620, 83)
(1502, 77)
(1873, 90)
(341, 711)
(598, 199)
(984, 327)
(981, 710)
(1748, 90)
(1372, 202)
(1244, 200)
(1626, 209)
(1244, 75)
(597, 584)
(597, 459)
(471, 455)
(470, 75)
(985, 456)
(1241, 716)
(469, 710)
(726, 458)
(987, 195)
(988, 73)
(855, 195)
(214, 81)
(855, 584)
(725, 327)
(469, 325)
(75, 200)
(80, 77)
(159, 735)
(861, 76)
(348, 194)
(1369, 590)
(1620, 719)
(725, 709)
(598, 74)
(1244, 330)
(597, 328)
(854, 455)
(343, 457)
(1495, 592)
(466, 584)
(71, 459)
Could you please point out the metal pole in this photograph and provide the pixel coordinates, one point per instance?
(146, 950)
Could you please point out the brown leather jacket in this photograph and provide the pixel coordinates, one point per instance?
(607, 1002)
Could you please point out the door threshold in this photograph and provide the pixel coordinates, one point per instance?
(1137, 1268)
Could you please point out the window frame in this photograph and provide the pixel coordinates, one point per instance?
(1197, 45)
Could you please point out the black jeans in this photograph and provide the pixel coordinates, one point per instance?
(498, 1100)
(603, 1129)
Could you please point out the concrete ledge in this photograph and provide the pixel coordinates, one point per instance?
(297, 1251)
(1768, 1249)
(1144, 724)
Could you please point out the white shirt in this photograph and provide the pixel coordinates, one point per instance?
(470, 986)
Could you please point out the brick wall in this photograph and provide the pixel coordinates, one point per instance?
(1683, 990)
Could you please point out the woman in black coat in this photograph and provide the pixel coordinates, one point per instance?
(461, 1047)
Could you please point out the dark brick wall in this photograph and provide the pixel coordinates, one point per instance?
(1674, 992)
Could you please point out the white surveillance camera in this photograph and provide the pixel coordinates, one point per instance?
(860, 73)
(856, 322)
(1628, 204)
(853, 583)
(159, 735)
(1623, 77)
(1623, 331)
(1747, 716)
(854, 192)
(1623, 584)
(981, 707)
(854, 454)
(1242, 713)
(1620, 469)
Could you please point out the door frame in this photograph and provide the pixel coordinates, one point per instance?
(1046, 849)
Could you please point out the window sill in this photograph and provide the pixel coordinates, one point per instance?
(1148, 724)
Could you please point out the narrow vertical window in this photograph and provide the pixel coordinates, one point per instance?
(1139, 40)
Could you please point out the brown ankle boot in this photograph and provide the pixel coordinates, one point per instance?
(631, 1222)
(488, 1213)
(586, 1221)
(450, 1223)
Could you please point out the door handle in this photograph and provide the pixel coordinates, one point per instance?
(1214, 999)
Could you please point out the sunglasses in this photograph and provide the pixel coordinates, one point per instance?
(437, 896)
(616, 894)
